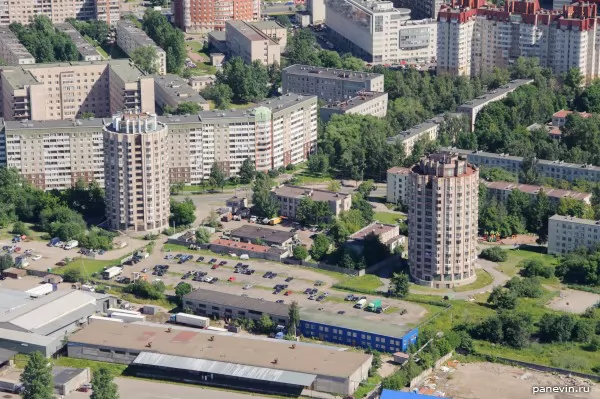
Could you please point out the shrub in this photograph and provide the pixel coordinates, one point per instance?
(536, 268)
(529, 287)
(300, 253)
(494, 254)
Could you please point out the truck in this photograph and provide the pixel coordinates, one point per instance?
(110, 311)
(373, 306)
(275, 220)
(111, 272)
(71, 244)
(360, 304)
(190, 320)
(40, 290)
(128, 317)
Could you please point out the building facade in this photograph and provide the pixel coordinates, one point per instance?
(251, 44)
(328, 84)
(289, 198)
(130, 38)
(443, 212)
(397, 185)
(136, 180)
(66, 90)
(365, 103)
(427, 130)
(171, 90)
(474, 37)
(12, 52)
(316, 9)
(202, 16)
(417, 42)
(421, 9)
(567, 233)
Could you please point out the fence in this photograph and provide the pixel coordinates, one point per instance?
(539, 367)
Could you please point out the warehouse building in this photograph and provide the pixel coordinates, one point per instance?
(222, 360)
(28, 325)
(263, 235)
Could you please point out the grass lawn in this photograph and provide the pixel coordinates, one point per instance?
(515, 256)
(116, 369)
(203, 68)
(388, 217)
(97, 46)
(90, 266)
(391, 309)
(306, 178)
(5, 232)
(368, 282)
(367, 386)
(483, 279)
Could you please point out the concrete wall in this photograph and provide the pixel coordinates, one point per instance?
(90, 352)
(82, 378)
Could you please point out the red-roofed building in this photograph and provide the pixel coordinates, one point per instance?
(560, 118)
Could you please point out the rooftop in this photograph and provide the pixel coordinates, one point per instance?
(494, 94)
(299, 192)
(55, 124)
(399, 170)
(18, 77)
(331, 73)
(563, 113)
(532, 189)
(417, 130)
(376, 6)
(237, 301)
(571, 219)
(218, 35)
(362, 98)
(253, 232)
(62, 375)
(249, 31)
(229, 349)
(85, 49)
(178, 89)
(374, 228)
(241, 245)
(129, 73)
(9, 39)
(138, 35)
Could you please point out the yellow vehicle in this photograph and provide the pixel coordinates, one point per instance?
(275, 220)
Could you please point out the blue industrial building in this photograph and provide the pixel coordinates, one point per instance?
(389, 394)
(356, 332)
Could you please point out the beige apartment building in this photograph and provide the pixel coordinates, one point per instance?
(59, 11)
(259, 41)
(130, 38)
(427, 130)
(108, 11)
(567, 233)
(68, 89)
(443, 200)
(289, 198)
(397, 185)
(12, 52)
(365, 103)
(172, 90)
(87, 52)
(329, 84)
(136, 180)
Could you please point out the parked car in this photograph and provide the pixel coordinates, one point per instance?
(312, 297)
(36, 257)
(279, 301)
(213, 260)
(247, 286)
(289, 279)
(215, 266)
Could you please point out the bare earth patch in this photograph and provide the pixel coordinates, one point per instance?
(573, 301)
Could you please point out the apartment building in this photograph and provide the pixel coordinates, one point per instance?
(502, 189)
(277, 132)
(387, 234)
(172, 90)
(108, 11)
(87, 52)
(365, 103)
(427, 130)
(247, 41)
(136, 181)
(475, 37)
(473, 107)
(552, 169)
(200, 83)
(289, 198)
(421, 9)
(369, 29)
(567, 233)
(66, 90)
(417, 41)
(397, 185)
(203, 16)
(559, 119)
(316, 9)
(130, 37)
(22, 11)
(12, 52)
(329, 84)
(443, 200)
(54, 154)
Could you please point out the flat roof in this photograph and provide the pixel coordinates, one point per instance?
(494, 94)
(222, 348)
(398, 170)
(249, 31)
(532, 189)
(10, 40)
(253, 232)
(225, 368)
(316, 194)
(417, 130)
(62, 375)
(57, 123)
(178, 89)
(218, 35)
(572, 219)
(138, 35)
(85, 49)
(374, 228)
(360, 99)
(224, 299)
(10, 300)
(241, 245)
(354, 323)
(267, 25)
(126, 71)
(330, 73)
(19, 77)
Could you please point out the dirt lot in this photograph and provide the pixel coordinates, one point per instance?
(488, 380)
(573, 301)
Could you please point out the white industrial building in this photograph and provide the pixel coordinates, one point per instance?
(29, 324)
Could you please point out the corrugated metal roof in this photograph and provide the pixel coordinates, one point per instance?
(66, 320)
(223, 368)
(25, 338)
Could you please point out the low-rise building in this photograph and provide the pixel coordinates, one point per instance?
(388, 234)
(365, 103)
(427, 130)
(248, 41)
(224, 246)
(200, 83)
(217, 41)
(237, 204)
(264, 236)
(12, 52)
(87, 52)
(172, 90)
(397, 185)
(289, 198)
(502, 189)
(567, 233)
(130, 38)
(559, 119)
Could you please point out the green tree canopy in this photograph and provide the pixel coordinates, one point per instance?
(247, 171)
(103, 385)
(320, 246)
(146, 58)
(37, 378)
(202, 235)
(399, 285)
(183, 213)
(217, 176)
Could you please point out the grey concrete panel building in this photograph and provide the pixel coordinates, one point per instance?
(130, 38)
(365, 103)
(289, 198)
(443, 214)
(255, 41)
(87, 52)
(567, 233)
(12, 52)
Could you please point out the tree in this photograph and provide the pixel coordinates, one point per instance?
(6, 261)
(187, 108)
(494, 254)
(88, 115)
(217, 176)
(399, 285)
(167, 37)
(146, 58)
(300, 252)
(284, 21)
(103, 385)
(247, 171)
(366, 187)
(146, 290)
(556, 328)
(263, 202)
(265, 325)
(334, 185)
(20, 228)
(320, 247)
(202, 235)
(44, 42)
(536, 268)
(502, 298)
(220, 93)
(318, 164)
(212, 220)
(529, 287)
(294, 316)
(181, 290)
(37, 378)
(183, 213)
(248, 83)
(72, 276)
